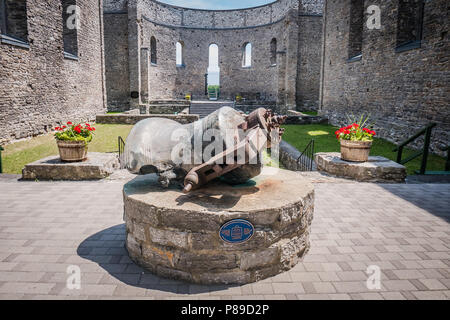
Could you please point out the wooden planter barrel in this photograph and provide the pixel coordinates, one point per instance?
(72, 151)
(357, 151)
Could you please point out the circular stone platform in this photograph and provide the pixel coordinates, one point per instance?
(177, 236)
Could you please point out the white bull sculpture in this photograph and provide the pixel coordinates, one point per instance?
(226, 143)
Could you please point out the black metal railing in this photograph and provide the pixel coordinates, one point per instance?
(447, 162)
(121, 143)
(1, 168)
(306, 160)
(424, 152)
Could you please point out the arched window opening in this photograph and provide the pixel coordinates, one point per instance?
(247, 55)
(273, 52)
(180, 53)
(153, 50)
(213, 73)
(214, 56)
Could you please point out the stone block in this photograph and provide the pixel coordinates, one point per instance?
(139, 231)
(169, 237)
(173, 274)
(204, 240)
(140, 213)
(206, 261)
(293, 249)
(190, 220)
(231, 277)
(97, 166)
(258, 259)
(157, 255)
(376, 169)
(133, 246)
(305, 119)
(266, 272)
(135, 118)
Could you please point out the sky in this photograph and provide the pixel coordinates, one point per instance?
(217, 4)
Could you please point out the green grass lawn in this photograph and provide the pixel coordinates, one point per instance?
(325, 141)
(17, 155)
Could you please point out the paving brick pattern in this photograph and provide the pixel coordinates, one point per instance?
(402, 229)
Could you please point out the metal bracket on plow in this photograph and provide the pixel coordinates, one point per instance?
(259, 126)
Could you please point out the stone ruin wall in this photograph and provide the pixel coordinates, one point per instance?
(198, 18)
(167, 81)
(39, 88)
(402, 91)
(197, 29)
(230, 30)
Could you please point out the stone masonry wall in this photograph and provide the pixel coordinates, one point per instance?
(39, 88)
(197, 29)
(403, 91)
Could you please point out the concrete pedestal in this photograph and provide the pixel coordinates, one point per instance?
(96, 166)
(178, 236)
(377, 169)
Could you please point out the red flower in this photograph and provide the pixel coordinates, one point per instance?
(63, 127)
(347, 132)
(69, 123)
(77, 129)
(57, 128)
(356, 125)
(373, 133)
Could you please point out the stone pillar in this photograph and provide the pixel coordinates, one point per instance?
(134, 53)
(145, 64)
(281, 64)
(322, 61)
(291, 59)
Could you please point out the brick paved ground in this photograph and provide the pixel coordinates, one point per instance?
(404, 229)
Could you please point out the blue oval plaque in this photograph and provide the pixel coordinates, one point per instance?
(236, 231)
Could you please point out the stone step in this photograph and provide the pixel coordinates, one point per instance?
(203, 109)
(169, 102)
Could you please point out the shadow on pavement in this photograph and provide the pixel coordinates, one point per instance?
(107, 249)
(433, 198)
